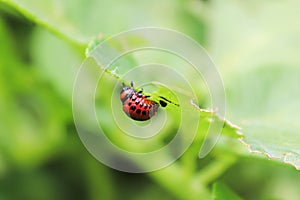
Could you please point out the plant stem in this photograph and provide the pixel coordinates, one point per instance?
(173, 179)
(215, 169)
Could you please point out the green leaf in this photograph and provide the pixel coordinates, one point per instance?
(259, 62)
(222, 192)
(270, 116)
(169, 86)
(78, 21)
(58, 22)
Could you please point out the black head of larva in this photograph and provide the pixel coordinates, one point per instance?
(163, 103)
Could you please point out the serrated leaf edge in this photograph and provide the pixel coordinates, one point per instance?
(282, 158)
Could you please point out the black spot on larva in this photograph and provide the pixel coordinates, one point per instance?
(132, 108)
(129, 103)
(133, 97)
(150, 106)
(144, 112)
(141, 104)
(138, 111)
(137, 101)
(140, 95)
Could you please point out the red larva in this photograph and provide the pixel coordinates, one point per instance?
(136, 105)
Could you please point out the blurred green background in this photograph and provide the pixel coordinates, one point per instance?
(255, 45)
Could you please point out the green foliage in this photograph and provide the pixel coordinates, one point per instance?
(265, 102)
(255, 49)
(222, 192)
